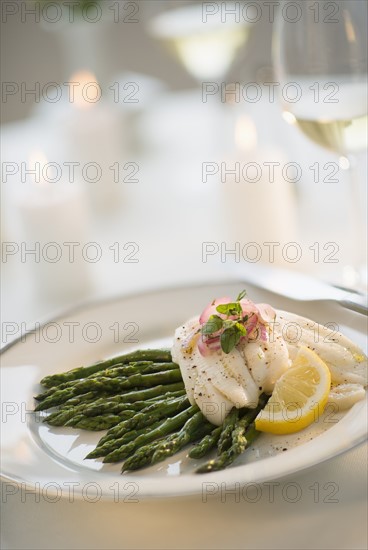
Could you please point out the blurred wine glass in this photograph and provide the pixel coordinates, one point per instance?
(206, 41)
(322, 49)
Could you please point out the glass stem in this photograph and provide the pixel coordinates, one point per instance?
(355, 275)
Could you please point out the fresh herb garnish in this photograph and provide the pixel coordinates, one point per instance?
(234, 308)
(230, 338)
(242, 295)
(213, 324)
(230, 327)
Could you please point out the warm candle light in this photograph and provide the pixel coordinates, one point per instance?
(37, 160)
(289, 117)
(91, 131)
(245, 134)
(52, 212)
(86, 90)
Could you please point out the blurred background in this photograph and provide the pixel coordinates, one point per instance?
(151, 143)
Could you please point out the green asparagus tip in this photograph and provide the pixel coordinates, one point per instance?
(206, 468)
(38, 397)
(90, 456)
(96, 453)
(107, 460)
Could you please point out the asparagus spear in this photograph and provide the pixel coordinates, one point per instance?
(132, 396)
(157, 355)
(195, 427)
(88, 397)
(96, 423)
(166, 427)
(42, 396)
(241, 439)
(145, 455)
(109, 385)
(73, 416)
(147, 416)
(185, 436)
(62, 416)
(68, 411)
(83, 420)
(113, 407)
(206, 444)
(228, 426)
(243, 434)
(143, 367)
(104, 449)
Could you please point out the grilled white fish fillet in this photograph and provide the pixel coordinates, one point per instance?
(217, 382)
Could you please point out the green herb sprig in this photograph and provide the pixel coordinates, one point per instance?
(231, 329)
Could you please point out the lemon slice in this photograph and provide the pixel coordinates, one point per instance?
(299, 396)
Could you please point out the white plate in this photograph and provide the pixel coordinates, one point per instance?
(51, 459)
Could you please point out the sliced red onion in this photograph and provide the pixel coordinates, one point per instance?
(215, 347)
(251, 324)
(266, 313)
(207, 345)
(248, 307)
(263, 333)
(202, 348)
(211, 309)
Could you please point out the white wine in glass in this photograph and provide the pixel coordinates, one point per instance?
(341, 125)
(205, 44)
(321, 65)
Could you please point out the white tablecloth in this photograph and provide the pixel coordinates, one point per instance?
(330, 513)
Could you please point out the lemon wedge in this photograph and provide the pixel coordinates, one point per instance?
(299, 396)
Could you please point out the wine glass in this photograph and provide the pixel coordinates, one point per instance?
(204, 40)
(320, 57)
